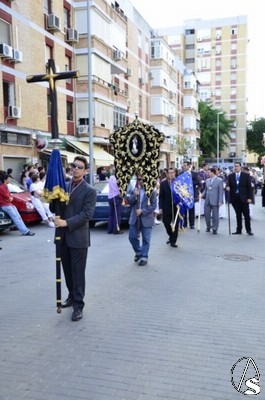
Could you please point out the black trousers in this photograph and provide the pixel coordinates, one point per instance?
(241, 208)
(173, 236)
(74, 266)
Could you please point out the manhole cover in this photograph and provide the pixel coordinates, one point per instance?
(236, 257)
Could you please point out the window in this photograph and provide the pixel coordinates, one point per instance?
(15, 138)
(5, 32)
(233, 46)
(190, 61)
(69, 111)
(119, 117)
(155, 50)
(189, 46)
(189, 32)
(67, 18)
(47, 7)
(8, 93)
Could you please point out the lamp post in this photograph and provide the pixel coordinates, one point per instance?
(218, 140)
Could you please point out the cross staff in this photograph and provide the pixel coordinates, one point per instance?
(52, 76)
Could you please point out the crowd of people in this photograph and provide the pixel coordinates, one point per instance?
(212, 188)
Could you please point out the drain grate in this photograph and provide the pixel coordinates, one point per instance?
(236, 257)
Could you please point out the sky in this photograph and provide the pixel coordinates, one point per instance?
(165, 13)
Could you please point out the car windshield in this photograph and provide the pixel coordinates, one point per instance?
(15, 187)
(102, 187)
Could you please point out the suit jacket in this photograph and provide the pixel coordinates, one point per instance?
(213, 192)
(244, 187)
(78, 212)
(147, 216)
(165, 197)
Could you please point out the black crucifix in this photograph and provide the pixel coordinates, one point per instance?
(52, 76)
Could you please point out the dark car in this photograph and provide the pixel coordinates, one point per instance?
(5, 220)
(101, 212)
(22, 200)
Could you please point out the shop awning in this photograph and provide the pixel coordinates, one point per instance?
(81, 147)
(66, 154)
(102, 158)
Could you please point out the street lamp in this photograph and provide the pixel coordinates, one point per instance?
(217, 146)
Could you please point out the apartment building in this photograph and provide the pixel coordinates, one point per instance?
(134, 70)
(216, 51)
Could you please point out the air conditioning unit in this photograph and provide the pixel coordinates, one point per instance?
(17, 55)
(6, 51)
(233, 66)
(218, 37)
(218, 52)
(118, 55)
(232, 154)
(14, 112)
(83, 129)
(199, 69)
(212, 93)
(129, 72)
(72, 35)
(53, 23)
(199, 39)
(141, 81)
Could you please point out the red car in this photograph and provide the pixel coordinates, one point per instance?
(22, 200)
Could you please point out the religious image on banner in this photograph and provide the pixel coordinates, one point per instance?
(183, 195)
(136, 150)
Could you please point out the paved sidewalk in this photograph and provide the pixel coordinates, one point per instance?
(170, 330)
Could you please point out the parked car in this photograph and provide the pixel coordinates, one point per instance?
(5, 220)
(101, 212)
(22, 200)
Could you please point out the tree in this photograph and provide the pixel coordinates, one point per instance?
(255, 131)
(208, 128)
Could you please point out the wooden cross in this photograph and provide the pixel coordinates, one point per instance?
(52, 76)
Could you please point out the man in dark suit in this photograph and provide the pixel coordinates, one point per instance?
(141, 221)
(167, 207)
(241, 195)
(75, 236)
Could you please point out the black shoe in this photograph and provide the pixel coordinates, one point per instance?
(214, 232)
(118, 233)
(67, 303)
(77, 315)
(137, 258)
(250, 233)
(168, 241)
(208, 230)
(29, 233)
(192, 227)
(142, 263)
(173, 245)
(236, 233)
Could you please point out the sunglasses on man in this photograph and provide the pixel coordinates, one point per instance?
(77, 166)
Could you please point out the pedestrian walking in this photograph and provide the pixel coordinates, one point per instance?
(75, 236)
(168, 209)
(141, 221)
(213, 196)
(115, 203)
(241, 195)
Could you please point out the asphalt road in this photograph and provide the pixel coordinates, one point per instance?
(170, 330)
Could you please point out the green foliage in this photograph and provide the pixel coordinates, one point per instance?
(208, 128)
(255, 132)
